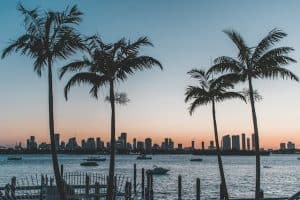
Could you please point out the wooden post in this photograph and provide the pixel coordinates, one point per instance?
(97, 191)
(13, 187)
(143, 183)
(134, 178)
(222, 195)
(87, 184)
(51, 181)
(151, 186)
(115, 188)
(148, 186)
(61, 170)
(179, 187)
(198, 189)
(129, 190)
(126, 191)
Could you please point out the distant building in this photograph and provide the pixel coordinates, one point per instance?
(140, 146)
(253, 141)
(72, 144)
(83, 144)
(56, 140)
(248, 144)
(243, 141)
(63, 145)
(193, 145)
(282, 146)
(226, 140)
(31, 143)
(148, 144)
(235, 142)
(99, 144)
(171, 144)
(179, 147)
(123, 140)
(290, 146)
(44, 146)
(211, 145)
(202, 144)
(134, 143)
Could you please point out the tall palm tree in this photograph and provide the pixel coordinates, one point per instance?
(106, 65)
(259, 62)
(211, 90)
(49, 36)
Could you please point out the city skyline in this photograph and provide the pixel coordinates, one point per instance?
(157, 111)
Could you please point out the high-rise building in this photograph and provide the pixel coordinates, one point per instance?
(148, 144)
(90, 144)
(134, 143)
(140, 146)
(31, 143)
(63, 145)
(83, 144)
(243, 141)
(211, 145)
(290, 146)
(123, 139)
(72, 144)
(282, 146)
(193, 145)
(166, 144)
(235, 142)
(179, 147)
(248, 144)
(99, 144)
(202, 144)
(226, 140)
(171, 144)
(253, 141)
(56, 140)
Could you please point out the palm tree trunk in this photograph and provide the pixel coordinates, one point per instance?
(257, 154)
(58, 179)
(223, 182)
(110, 190)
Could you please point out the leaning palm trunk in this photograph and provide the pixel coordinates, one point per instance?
(110, 190)
(257, 154)
(57, 175)
(223, 182)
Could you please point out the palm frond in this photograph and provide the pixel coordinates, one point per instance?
(75, 66)
(230, 95)
(225, 64)
(193, 92)
(198, 102)
(272, 37)
(244, 50)
(277, 72)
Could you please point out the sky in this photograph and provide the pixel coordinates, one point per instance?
(186, 35)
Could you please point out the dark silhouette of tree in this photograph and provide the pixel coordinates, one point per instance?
(259, 62)
(49, 36)
(106, 65)
(211, 90)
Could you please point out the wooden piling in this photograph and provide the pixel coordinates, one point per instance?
(97, 191)
(151, 186)
(198, 189)
(115, 187)
(87, 184)
(134, 178)
(179, 187)
(143, 183)
(13, 187)
(61, 170)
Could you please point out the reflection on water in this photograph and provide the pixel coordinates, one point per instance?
(281, 179)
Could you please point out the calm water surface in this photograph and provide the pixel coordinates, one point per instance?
(282, 179)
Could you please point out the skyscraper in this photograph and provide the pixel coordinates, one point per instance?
(243, 141)
(202, 144)
(290, 146)
(193, 144)
(56, 140)
(134, 143)
(235, 142)
(248, 144)
(123, 140)
(148, 144)
(253, 141)
(282, 146)
(211, 145)
(226, 142)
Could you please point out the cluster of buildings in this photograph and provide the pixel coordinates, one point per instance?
(228, 143)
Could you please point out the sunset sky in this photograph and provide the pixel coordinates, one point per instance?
(186, 34)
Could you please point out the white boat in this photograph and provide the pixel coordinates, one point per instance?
(14, 158)
(93, 158)
(143, 157)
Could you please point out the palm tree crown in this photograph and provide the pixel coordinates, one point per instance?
(209, 89)
(49, 35)
(108, 62)
(261, 61)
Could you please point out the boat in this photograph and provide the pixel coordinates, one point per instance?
(298, 158)
(96, 159)
(143, 157)
(158, 171)
(267, 167)
(89, 164)
(14, 158)
(196, 159)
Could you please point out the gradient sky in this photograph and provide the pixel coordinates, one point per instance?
(186, 34)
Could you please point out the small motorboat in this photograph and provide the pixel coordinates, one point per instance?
(158, 171)
(89, 164)
(196, 159)
(267, 167)
(298, 158)
(14, 158)
(143, 157)
(96, 159)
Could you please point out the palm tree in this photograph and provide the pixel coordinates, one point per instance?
(259, 62)
(211, 90)
(106, 65)
(49, 36)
